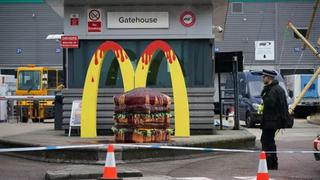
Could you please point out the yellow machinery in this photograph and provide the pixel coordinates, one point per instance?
(36, 81)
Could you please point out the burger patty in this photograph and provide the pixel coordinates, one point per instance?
(142, 96)
(146, 108)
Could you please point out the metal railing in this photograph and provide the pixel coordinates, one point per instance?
(11, 109)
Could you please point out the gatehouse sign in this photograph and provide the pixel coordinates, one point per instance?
(132, 20)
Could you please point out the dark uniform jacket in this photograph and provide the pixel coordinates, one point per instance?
(275, 103)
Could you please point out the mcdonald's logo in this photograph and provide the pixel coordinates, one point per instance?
(133, 79)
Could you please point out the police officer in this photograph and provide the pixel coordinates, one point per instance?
(273, 97)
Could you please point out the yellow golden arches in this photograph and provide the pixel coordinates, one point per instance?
(90, 90)
(180, 97)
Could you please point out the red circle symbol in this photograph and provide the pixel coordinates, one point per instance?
(94, 15)
(187, 18)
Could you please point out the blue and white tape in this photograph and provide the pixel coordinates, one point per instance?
(44, 148)
(153, 146)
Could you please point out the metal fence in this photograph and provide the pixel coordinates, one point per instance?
(16, 109)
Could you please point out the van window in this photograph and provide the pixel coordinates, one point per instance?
(242, 87)
(255, 88)
(281, 83)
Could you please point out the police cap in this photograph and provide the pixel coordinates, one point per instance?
(270, 73)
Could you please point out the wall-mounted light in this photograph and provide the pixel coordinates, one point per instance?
(218, 28)
(54, 36)
(33, 15)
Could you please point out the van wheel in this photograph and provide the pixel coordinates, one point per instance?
(249, 122)
(36, 120)
(24, 119)
(227, 113)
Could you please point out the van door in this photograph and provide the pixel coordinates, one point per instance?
(242, 93)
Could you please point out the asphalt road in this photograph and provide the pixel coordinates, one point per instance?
(12, 168)
(221, 166)
(229, 166)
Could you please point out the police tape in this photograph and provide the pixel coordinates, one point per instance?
(44, 148)
(152, 146)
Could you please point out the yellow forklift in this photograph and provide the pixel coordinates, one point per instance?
(37, 81)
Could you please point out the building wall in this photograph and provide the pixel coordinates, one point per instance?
(202, 29)
(193, 45)
(23, 32)
(194, 57)
(268, 21)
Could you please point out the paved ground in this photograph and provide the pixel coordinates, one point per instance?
(244, 166)
(44, 134)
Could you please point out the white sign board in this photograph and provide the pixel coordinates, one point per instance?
(75, 116)
(264, 50)
(131, 20)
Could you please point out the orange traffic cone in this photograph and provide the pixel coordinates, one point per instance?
(110, 170)
(263, 168)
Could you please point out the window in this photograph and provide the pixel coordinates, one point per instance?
(194, 57)
(29, 80)
(303, 31)
(237, 7)
(60, 78)
(114, 71)
(9, 72)
(296, 71)
(52, 79)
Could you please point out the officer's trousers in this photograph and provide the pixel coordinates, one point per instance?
(268, 144)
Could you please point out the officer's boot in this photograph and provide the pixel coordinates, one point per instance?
(272, 162)
(269, 161)
(275, 162)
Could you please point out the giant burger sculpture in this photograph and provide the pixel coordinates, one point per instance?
(142, 115)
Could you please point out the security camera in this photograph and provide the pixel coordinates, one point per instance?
(220, 29)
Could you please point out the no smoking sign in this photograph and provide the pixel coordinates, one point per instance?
(94, 20)
(94, 15)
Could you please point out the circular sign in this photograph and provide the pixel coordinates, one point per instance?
(187, 19)
(94, 15)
